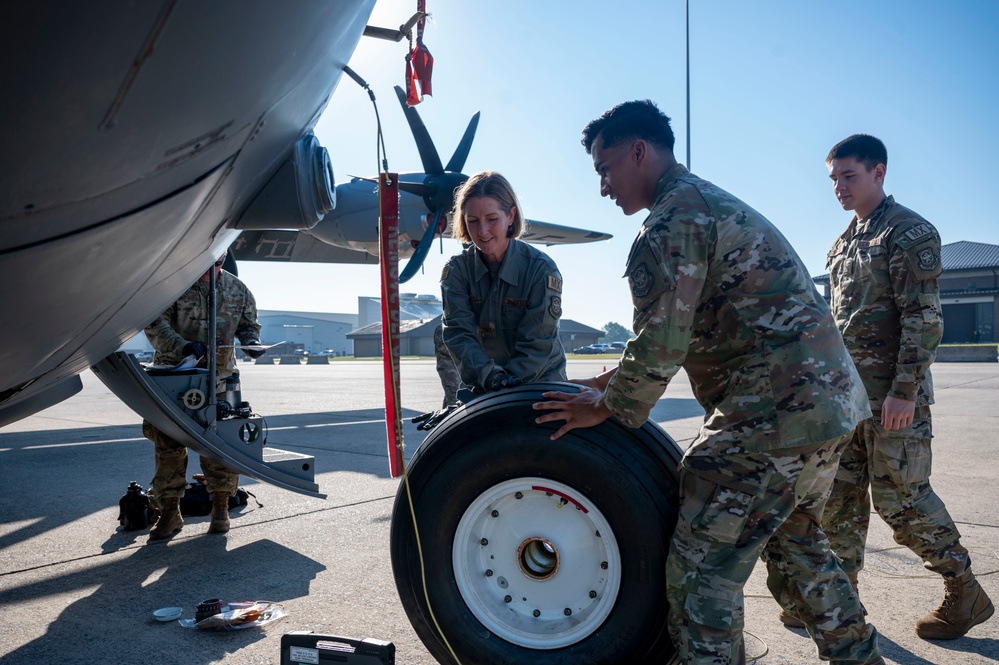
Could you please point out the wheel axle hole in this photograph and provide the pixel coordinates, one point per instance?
(538, 558)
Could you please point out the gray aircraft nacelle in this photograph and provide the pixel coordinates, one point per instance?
(354, 226)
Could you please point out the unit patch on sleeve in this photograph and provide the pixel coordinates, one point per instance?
(928, 259)
(641, 280)
(555, 309)
(554, 284)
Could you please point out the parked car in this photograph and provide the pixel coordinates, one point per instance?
(619, 346)
(595, 349)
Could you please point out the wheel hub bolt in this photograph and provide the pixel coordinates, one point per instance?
(495, 513)
(593, 594)
(567, 612)
(603, 564)
(485, 541)
(507, 599)
(537, 613)
(489, 573)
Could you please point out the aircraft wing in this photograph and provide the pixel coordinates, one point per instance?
(293, 246)
(301, 247)
(546, 233)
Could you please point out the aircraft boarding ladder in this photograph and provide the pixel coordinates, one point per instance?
(180, 404)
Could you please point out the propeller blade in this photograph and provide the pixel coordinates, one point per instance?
(422, 249)
(417, 188)
(457, 162)
(428, 153)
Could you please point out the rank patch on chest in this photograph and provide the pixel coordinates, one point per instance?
(641, 281)
(928, 259)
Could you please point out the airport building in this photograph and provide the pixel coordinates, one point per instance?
(360, 335)
(416, 337)
(307, 332)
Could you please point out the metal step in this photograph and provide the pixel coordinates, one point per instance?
(179, 404)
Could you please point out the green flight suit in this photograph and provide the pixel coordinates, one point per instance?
(507, 320)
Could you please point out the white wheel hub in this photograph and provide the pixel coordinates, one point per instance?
(536, 563)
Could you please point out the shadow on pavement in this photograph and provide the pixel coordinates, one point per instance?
(112, 621)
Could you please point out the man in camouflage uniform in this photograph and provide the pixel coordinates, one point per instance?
(179, 332)
(719, 291)
(883, 274)
(446, 370)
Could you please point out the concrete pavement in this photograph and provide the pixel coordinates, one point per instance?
(75, 589)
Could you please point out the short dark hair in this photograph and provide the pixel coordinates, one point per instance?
(866, 149)
(629, 121)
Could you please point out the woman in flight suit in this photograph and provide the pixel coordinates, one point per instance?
(502, 297)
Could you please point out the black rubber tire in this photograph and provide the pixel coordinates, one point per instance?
(629, 475)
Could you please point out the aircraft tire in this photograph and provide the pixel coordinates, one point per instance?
(537, 551)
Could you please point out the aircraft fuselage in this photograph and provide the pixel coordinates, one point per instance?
(133, 136)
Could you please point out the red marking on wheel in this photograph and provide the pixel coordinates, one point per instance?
(568, 498)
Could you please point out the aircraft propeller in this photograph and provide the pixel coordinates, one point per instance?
(439, 182)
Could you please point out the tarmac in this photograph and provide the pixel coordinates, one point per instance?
(74, 588)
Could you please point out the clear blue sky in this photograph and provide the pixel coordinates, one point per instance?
(773, 86)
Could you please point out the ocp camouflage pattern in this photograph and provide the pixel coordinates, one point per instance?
(883, 275)
(719, 291)
(759, 504)
(187, 321)
(170, 477)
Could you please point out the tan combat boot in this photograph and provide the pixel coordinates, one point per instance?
(964, 606)
(791, 621)
(169, 521)
(220, 513)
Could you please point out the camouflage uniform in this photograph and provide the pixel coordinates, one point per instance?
(718, 290)
(446, 370)
(504, 320)
(883, 272)
(187, 321)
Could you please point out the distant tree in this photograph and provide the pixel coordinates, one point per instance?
(615, 332)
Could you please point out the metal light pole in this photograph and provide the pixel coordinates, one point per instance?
(688, 84)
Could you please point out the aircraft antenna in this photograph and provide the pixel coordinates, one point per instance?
(381, 154)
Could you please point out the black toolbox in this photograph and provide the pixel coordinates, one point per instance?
(302, 647)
